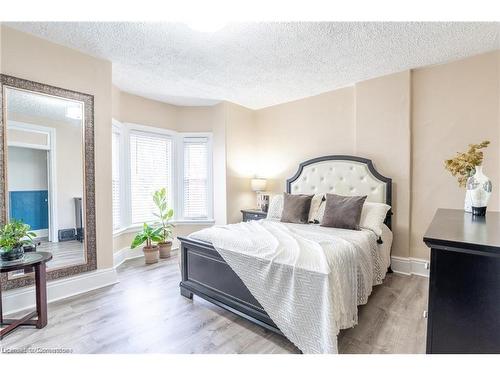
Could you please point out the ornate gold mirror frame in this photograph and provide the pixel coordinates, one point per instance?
(89, 175)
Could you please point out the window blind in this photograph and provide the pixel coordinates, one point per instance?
(115, 156)
(150, 170)
(195, 178)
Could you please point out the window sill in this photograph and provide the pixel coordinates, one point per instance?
(194, 222)
(137, 227)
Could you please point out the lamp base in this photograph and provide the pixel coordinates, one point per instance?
(478, 211)
(262, 201)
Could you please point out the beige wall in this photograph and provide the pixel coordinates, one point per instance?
(32, 58)
(219, 164)
(135, 109)
(241, 153)
(453, 105)
(293, 132)
(197, 119)
(383, 135)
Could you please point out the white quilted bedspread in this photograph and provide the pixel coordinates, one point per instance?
(309, 279)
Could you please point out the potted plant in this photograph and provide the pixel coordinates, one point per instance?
(148, 235)
(164, 215)
(13, 237)
(464, 166)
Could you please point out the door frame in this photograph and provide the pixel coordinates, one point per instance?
(51, 166)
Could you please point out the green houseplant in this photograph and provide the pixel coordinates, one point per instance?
(148, 235)
(13, 236)
(164, 216)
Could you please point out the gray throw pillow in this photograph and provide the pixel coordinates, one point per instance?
(343, 212)
(296, 208)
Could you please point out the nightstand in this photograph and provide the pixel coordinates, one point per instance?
(249, 215)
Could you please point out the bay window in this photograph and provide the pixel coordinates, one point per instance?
(145, 159)
(150, 170)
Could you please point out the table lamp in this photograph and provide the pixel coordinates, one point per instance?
(259, 185)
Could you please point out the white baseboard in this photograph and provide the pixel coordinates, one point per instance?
(24, 298)
(41, 233)
(127, 253)
(410, 266)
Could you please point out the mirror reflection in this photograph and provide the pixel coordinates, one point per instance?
(45, 172)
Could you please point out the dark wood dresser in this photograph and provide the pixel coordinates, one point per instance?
(464, 284)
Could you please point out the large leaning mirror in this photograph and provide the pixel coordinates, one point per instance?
(48, 174)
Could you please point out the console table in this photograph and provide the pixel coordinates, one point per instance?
(36, 260)
(464, 284)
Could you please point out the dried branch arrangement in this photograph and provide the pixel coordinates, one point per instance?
(463, 165)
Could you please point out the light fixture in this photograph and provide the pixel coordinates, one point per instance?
(74, 113)
(206, 25)
(258, 184)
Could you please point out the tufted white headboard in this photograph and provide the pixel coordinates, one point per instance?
(343, 175)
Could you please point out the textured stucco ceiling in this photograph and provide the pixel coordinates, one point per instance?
(40, 106)
(262, 64)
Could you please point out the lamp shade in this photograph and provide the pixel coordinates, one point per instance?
(258, 184)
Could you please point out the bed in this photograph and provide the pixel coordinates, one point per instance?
(215, 274)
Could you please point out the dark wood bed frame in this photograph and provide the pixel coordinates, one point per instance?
(206, 274)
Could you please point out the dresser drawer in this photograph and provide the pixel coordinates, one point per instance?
(249, 216)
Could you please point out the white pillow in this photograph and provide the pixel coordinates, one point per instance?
(316, 203)
(275, 207)
(321, 211)
(373, 216)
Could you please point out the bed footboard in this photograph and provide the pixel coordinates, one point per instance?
(207, 275)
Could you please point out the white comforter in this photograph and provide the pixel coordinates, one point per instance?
(309, 279)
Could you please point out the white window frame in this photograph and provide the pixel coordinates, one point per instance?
(180, 173)
(177, 177)
(165, 134)
(118, 127)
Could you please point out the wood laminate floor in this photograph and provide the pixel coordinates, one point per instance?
(64, 253)
(145, 313)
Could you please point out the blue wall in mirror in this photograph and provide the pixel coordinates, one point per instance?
(31, 207)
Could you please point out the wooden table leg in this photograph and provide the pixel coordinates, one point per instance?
(41, 295)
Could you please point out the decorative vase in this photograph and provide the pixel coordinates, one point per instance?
(479, 190)
(14, 254)
(468, 201)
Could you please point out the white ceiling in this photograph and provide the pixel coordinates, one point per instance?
(263, 64)
(41, 106)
